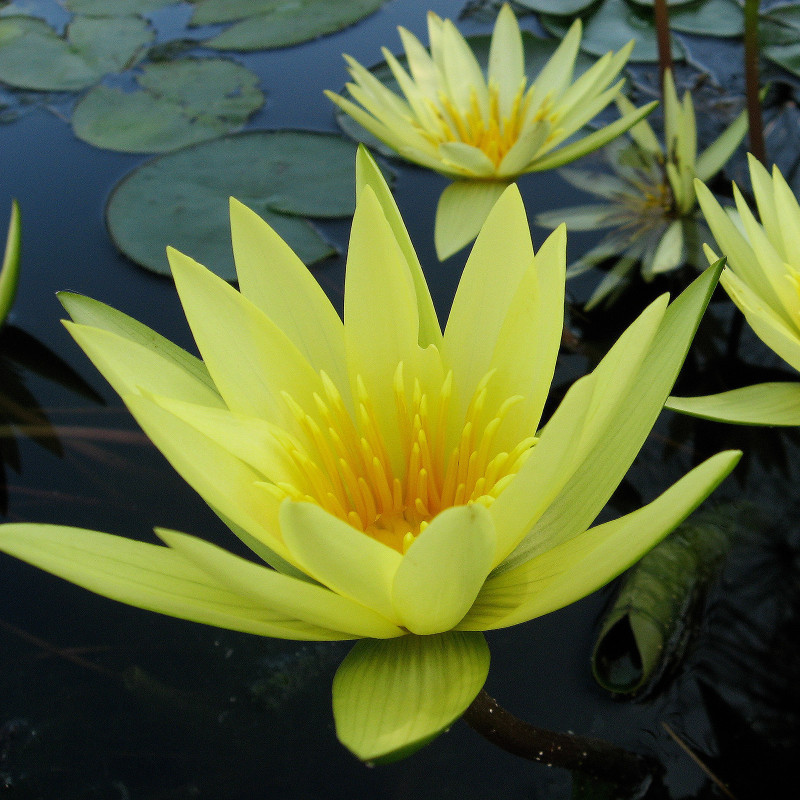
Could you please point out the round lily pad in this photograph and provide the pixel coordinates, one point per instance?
(114, 8)
(181, 198)
(263, 24)
(709, 18)
(178, 103)
(560, 7)
(34, 56)
(612, 26)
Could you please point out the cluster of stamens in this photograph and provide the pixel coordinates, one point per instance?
(347, 470)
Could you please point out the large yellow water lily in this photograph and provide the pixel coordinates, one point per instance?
(763, 279)
(484, 131)
(394, 478)
(649, 200)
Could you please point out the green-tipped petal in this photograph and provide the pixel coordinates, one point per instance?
(348, 561)
(581, 565)
(462, 210)
(279, 593)
(9, 271)
(94, 314)
(761, 404)
(275, 280)
(148, 576)
(368, 174)
(442, 572)
(131, 367)
(392, 697)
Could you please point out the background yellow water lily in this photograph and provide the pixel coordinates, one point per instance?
(484, 131)
(395, 479)
(763, 279)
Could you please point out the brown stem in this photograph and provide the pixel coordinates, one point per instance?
(593, 758)
(751, 80)
(661, 15)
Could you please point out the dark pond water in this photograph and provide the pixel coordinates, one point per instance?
(98, 700)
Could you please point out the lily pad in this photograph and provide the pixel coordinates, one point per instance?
(651, 3)
(559, 7)
(263, 24)
(611, 27)
(178, 103)
(34, 56)
(114, 8)
(181, 198)
(722, 18)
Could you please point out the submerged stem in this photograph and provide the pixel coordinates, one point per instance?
(756, 125)
(593, 758)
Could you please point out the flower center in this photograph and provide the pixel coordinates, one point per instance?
(348, 471)
(492, 132)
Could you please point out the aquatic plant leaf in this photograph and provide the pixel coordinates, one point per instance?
(560, 7)
(612, 26)
(649, 625)
(392, 696)
(760, 404)
(723, 18)
(178, 103)
(181, 198)
(9, 270)
(34, 56)
(114, 8)
(651, 3)
(262, 24)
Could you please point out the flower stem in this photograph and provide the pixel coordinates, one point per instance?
(661, 15)
(757, 146)
(594, 758)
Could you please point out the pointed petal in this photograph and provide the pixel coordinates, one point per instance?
(349, 562)
(463, 208)
(719, 152)
(392, 697)
(670, 251)
(761, 404)
(462, 72)
(252, 361)
(557, 72)
(148, 576)
(275, 280)
(506, 58)
(279, 593)
(9, 270)
(583, 564)
(423, 70)
(465, 159)
(524, 151)
(788, 213)
(593, 141)
(502, 254)
(368, 174)
(380, 314)
(442, 572)
(131, 367)
(94, 314)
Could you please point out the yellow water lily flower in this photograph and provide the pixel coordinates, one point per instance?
(649, 200)
(394, 478)
(484, 131)
(763, 279)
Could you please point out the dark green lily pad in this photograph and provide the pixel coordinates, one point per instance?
(651, 3)
(178, 103)
(611, 27)
(722, 18)
(537, 51)
(559, 7)
(262, 24)
(34, 56)
(114, 8)
(181, 198)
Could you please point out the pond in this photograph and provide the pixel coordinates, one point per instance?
(100, 700)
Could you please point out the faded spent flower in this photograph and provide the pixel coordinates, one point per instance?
(393, 478)
(483, 132)
(763, 279)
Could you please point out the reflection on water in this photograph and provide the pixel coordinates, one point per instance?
(105, 701)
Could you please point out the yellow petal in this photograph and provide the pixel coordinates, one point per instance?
(441, 574)
(506, 58)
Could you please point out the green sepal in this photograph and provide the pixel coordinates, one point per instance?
(760, 404)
